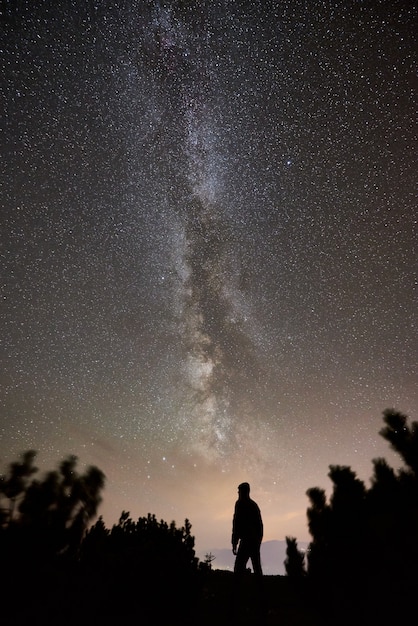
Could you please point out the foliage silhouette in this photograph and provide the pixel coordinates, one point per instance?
(361, 565)
(47, 517)
(148, 544)
(367, 539)
(402, 438)
(295, 560)
(13, 485)
(207, 563)
(147, 559)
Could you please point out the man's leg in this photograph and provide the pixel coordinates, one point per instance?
(242, 557)
(256, 561)
(260, 597)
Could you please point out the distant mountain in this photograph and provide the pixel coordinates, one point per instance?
(273, 554)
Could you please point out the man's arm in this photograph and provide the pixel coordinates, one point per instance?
(235, 537)
(260, 521)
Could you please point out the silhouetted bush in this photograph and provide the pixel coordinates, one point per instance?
(364, 547)
(45, 518)
(43, 521)
(361, 565)
(295, 560)
(148, 561)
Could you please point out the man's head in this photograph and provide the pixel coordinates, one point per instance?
(244, 490)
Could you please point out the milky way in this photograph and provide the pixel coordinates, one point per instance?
(208, 246)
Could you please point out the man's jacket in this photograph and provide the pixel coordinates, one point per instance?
(247, 523)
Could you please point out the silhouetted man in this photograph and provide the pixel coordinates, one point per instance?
(247, 529)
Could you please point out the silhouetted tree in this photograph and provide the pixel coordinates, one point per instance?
(14, 484)
(43, 522)
(402, 438)
(148, 543)
(48, 516)
(295, 559)
(319, 519)
(209, 558)
(149, 560)
(368, 538)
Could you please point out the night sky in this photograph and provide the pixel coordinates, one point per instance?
(208, 247)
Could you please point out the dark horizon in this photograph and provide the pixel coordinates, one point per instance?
(360, 566)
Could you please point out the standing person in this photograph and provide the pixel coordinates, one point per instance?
(247, 530)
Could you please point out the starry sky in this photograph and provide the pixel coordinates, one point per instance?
(208, 240)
